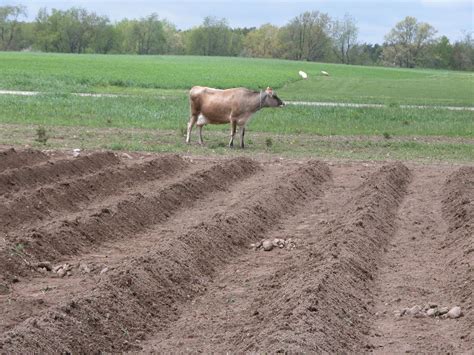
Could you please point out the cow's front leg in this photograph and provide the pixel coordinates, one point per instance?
(232, 133)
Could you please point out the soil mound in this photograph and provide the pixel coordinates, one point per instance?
(28, 177)
(11, 158)
(458, 210)
(328, 299)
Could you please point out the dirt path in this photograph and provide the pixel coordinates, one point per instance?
(416, 271)
(298, 103)
(356, 105)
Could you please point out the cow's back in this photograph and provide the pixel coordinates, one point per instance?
(218, 105)
(214, 104)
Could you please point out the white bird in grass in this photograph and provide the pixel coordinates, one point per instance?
(325, 73)
(303, 74)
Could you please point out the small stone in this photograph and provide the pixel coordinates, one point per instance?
(267, 245)
(455, 312)
(432, 312)
(414, 310)
(432, 305)
(104, 270)
(443, 310)
(62, 272)
(128, 156)
(57, 267)
(44, 264)
(84, 268)
(403, 312)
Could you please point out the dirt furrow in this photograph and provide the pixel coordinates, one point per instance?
(62, 197)
(144, 293)
(27, 177)
(11, 158)
(306, 300)
(458, 211)
(230, 312)
(425, 266)
(125, 218)
(29, 297)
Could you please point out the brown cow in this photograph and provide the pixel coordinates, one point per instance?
(234, 106)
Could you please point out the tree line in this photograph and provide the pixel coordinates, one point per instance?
(310, 36)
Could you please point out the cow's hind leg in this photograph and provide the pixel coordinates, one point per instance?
(232, 133)
(191, 123)
(201, 142)
(242, 133)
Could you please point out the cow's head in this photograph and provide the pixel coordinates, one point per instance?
(271, 99)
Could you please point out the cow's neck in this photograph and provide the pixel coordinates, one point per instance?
(260, 100)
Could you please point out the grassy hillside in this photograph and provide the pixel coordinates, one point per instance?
(153, 74)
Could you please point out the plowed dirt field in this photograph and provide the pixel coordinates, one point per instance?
(160, 253)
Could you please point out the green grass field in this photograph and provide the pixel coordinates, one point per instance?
(152, 74)
(154, 90)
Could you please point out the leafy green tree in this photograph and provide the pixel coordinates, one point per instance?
(439, 54)
(263, 42)
(72, 31)
(306, 37)
(463, 53)
(149, 35)
(10, 26)
(174, 39)
(344, 35)
(407, 42)
(213, 38)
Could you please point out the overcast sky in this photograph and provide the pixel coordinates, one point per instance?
(374, 17)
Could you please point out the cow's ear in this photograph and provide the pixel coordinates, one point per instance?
(269, 91)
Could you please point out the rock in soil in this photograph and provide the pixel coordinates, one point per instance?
(267, 245)
(44, 264)
(432, 312)
(84, 268)
(454, 312)
(414, 310)
(443, 310)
